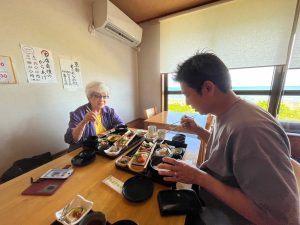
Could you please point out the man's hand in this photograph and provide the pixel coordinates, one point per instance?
(189, 123)
(179, 171)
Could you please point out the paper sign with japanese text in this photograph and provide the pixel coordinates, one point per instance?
(71, 73)
(7, 75)
(38, 64)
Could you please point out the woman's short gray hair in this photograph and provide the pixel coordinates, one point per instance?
(95, 86)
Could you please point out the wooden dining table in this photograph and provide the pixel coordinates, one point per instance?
(18, 209)
(171, 120)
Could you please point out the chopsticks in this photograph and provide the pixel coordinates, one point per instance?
(149, 156)
(64, 212)
(170, 128)
(88, 109)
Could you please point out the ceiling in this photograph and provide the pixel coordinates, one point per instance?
(145, 10)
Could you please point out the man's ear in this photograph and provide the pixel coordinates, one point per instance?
(208, 88)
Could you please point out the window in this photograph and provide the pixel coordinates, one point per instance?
(174, 100)
(257, 85)
(253, 84)
(289, 109)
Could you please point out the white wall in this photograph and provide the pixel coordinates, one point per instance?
(149, 67)
(34, 117)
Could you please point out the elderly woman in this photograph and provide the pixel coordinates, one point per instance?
(92, 118)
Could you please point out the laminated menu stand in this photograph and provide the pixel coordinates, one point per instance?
(43, 186)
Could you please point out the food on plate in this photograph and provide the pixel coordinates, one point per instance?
(113, 137)
(141, 133)
(103, 143)
(74, 214)
(145, 147)
(130, 134)
(122, 142)
(177, 151)
(163, 152)
(100, 139)
(164, 146)
(123, 161)
(113, 149)
(147, 144)
(151, 137)
(140, 158)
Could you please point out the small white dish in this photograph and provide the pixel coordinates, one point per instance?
(77, 202)
(112, 151)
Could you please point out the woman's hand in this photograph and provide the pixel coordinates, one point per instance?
(90, 117)
(180, 171)
(189, 123)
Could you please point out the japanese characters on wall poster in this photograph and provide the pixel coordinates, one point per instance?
(7, 75)
(38, 64)
(71, 73)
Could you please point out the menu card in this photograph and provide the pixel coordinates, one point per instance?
(114, 183)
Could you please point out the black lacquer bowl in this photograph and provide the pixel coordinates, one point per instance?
(84, 158)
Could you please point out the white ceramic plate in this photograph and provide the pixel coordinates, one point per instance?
(78, 201)
(112, 153)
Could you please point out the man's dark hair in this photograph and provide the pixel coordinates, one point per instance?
(202, 67)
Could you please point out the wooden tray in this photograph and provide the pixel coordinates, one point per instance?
(135, 142)
(147, 172)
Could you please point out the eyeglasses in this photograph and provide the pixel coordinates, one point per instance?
(101, 96)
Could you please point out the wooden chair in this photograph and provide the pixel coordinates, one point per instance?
(296, 167)
(295, 144)
(150, 112)
(202, 151)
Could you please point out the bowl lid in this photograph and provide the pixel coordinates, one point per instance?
(137, 189)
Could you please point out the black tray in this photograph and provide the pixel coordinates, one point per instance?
(135, 142)
(92, 141)
(148, 172)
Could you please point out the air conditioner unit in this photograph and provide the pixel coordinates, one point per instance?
(110, 20)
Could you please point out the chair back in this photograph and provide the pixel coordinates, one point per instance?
(150, 112)
(202, 151)
(296, 167)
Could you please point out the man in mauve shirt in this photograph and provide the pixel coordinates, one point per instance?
(247, 177)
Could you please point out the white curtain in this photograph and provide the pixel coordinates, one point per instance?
(242, 33)
(295, 59)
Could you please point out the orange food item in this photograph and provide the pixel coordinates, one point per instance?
(75, 214)
(141, 159)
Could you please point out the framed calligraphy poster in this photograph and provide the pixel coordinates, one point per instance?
(71, 73)
(39, 64)
(7, 74)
